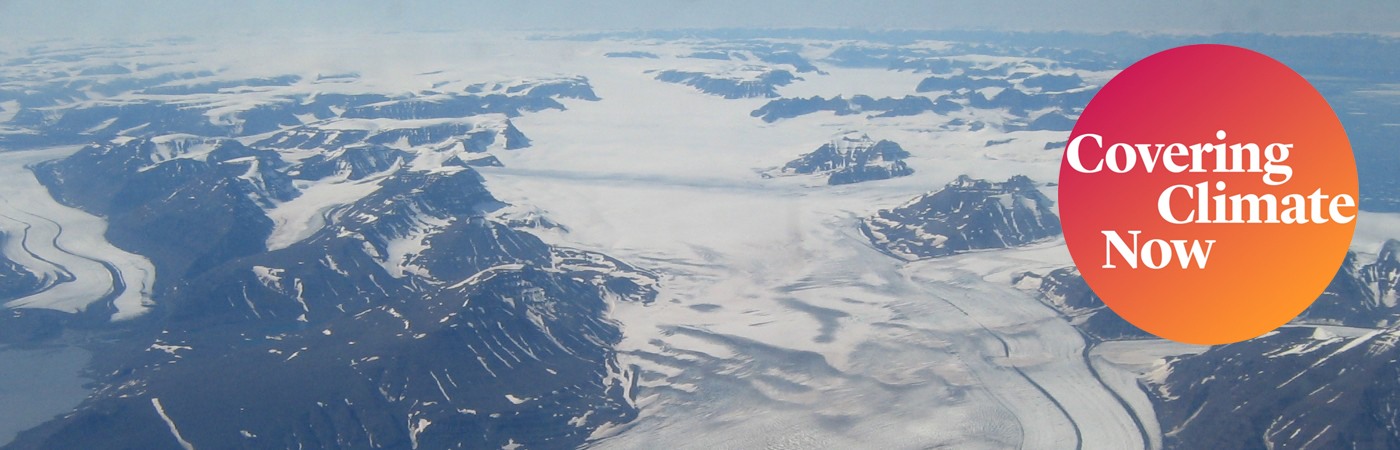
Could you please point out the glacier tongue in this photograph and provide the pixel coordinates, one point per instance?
(299, 218)
(67, 247)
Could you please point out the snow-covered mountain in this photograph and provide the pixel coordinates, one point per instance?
(1361, 295)
(852, 158)
(345, 255)
(405, 301)
(1356, 297)
(1325, 381)
(1067, 292)
(1298, 387)
(1382, 277)
(744, 83)
(967, 214)
(909, 105)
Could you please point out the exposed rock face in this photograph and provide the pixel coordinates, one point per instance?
(909, 105)
(967, 214)
(1301, 386)
(1065, 290)
(759, 83)
(853, 159)
(1298, 387)
(404, 318)
(1362, 295)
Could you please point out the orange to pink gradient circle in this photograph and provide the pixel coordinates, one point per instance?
(1259, 274)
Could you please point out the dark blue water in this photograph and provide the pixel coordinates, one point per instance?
(38, 384)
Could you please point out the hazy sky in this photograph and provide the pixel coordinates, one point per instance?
(20, 18)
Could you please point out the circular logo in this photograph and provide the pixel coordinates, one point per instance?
(1208, 194)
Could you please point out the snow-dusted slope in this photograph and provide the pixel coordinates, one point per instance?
(1321, 389)
(304, 240)
(852, 158)
(967, 214)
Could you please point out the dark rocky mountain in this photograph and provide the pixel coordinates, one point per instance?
(762, 84)
(1382, 277)
(104, 121)
(352, 162)
(967, 214)
(1361, 295)
(453, 105)
(409, 320)
(1301, 386)
(34, 326)
(186, 210)
(718, 55)
(350, 259)
(1065, 290)
(1051, 121)
(1358, 296)
(482, 161)
(959, 82)
(909, 105)
(468, 136)
(154, 114)
(1049, 82)
(1297, 387)
(514, 356)
(17, 281)
(941, 61)
(1019, 93)
(575, 87)
(773, 53)
(852, 159)
(1021, 103)
(213, 87)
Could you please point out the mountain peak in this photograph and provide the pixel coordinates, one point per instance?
(852, 157)
(967, 214)
(1390, 251)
